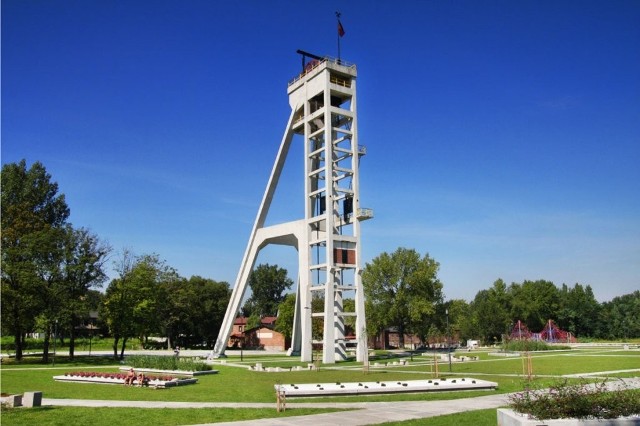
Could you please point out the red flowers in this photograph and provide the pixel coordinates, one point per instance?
(115, 376)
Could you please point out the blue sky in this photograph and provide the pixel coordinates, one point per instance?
(503, 137)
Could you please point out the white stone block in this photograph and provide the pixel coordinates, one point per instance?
(32, 399)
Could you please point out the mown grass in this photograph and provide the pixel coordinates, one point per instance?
(234, 384)
(471, 418)
(63, 416)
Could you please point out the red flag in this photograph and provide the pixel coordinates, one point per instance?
(340, 29)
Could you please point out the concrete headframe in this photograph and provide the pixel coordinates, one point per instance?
(323, 118)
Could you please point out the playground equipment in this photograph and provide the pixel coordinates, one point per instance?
(551, 333)
(520, 332)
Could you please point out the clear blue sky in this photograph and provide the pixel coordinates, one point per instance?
(503, 137)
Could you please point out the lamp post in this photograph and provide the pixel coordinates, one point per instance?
(55, 337)
(411, 346)
(90, 337)
(448, 339)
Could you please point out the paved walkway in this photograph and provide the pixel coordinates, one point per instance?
(364, 413)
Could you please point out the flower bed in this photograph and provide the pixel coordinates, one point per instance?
(116, 376)
(161, 381)
(171, 372)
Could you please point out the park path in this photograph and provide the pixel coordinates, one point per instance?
(364, 413)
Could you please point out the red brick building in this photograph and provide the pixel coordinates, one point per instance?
(262, 337)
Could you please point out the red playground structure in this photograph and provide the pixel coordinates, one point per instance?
(550, 334)
(520, 332)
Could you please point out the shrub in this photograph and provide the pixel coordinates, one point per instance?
(157, 362)
(578, 400)
(532, 345)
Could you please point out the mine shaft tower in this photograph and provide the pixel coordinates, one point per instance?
(323, 118)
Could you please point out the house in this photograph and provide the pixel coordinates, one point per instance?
(389, 338)
(262, 337)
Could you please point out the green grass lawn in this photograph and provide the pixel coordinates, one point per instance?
(471, 418)
(64, 416)
(233, 384)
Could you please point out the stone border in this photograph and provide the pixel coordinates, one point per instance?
(364, 388)
(116, 381)
(507, 417)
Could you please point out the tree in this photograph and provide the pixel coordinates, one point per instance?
(133, 302)
(116, 305)
(212, 305)
(459, 312)
(268, 284)
(401, 289)
(33, 214)
(286, 312)
(578, 311)
(620, 318)
(192, 310)
(534, 302)
(490, 312)
(83, 269)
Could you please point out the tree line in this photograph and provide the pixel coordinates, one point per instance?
(403, 291)
(53, 274)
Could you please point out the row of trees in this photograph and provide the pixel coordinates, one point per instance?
(403, 291)
(51, 273)
(574, 309)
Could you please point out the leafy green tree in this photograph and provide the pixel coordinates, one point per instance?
(459, 313)
(620, 317)
(212, 305)
(578, 310)
(192, 310)
(118, 301)
(490, 313)
(47, 251)
(254, 321)
(268, 284)
(133, 301)
(286, 312)
(534, 302)
(149, 274)
(349, 305)
(83, 264)
(33, 215)
(401, 289)
(317, 323)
